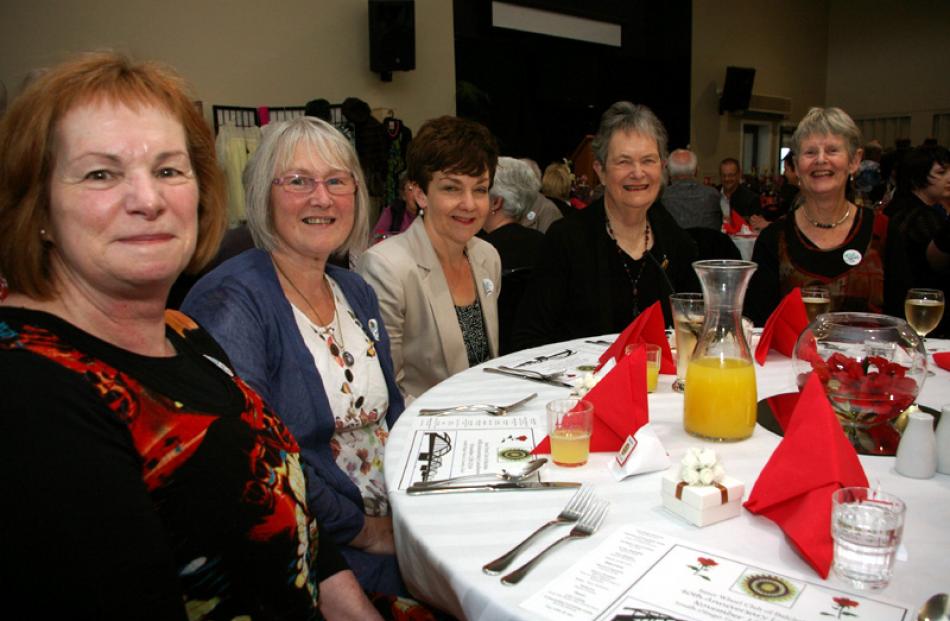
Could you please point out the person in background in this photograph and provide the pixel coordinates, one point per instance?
(160, 485)
(512, 192)
(869, 185)
(437, 283)
(308, 336)
(789, 191)
(922, 191)
(737, 198)
(602, 266)
(556, 186)
(542, 211)
(827, 240)
(397, 216)
(692, 204)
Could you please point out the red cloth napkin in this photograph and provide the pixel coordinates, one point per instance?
(735, 223)
(648, 327)
(942, 359)
(620, 405)
(813, 460)
(783, 327)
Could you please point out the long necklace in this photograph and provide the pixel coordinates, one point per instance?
(337, 351)
(822, 225)
(634, 280)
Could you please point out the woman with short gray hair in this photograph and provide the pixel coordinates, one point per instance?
(309, 337)
(827, 240)
(602, 266)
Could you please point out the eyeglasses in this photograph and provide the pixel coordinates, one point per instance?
(338, 185)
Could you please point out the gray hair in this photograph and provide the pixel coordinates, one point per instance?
(276, 153)
(516, 184)
(682, 163)
(825, 121)
(625, 116)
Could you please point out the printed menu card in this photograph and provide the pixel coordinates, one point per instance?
(638, 574)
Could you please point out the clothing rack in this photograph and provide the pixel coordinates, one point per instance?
(242, 116)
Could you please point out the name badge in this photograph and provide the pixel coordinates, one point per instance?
(851, 256)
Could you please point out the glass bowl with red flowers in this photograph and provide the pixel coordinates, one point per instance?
(871, 366)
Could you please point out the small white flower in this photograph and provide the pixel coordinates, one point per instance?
(718, 473)
(690, 475)
(690, 460)
(707, 457)
(706, 476)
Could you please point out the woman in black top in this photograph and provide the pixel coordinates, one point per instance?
(602, 266)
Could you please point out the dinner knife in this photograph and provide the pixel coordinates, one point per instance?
(552, 382)
(416, 489)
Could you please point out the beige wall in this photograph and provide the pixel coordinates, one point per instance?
(241, 52)
(890, 59)
(786, 43)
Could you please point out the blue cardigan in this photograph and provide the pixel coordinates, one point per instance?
(244, 308)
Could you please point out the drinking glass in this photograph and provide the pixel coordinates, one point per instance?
(688, 312)
(570, 422)
(923, 309)
(817, 301)
(866, 526)
(654, 356)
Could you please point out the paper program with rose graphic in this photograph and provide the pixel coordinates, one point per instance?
(666, 579)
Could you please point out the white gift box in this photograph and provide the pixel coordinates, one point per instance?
(702, 504)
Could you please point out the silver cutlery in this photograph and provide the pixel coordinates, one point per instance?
(494, 410)
(564, 353)
(588, 524)
(530, 468)
(570, 514)
(534, 376)
(416, 490)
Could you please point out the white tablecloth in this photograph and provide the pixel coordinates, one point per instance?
(443, 540)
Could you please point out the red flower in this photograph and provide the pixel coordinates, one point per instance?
(707, 562)
(844, 602)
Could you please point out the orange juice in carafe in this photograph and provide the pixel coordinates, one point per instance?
(720, 404)
(720, 396)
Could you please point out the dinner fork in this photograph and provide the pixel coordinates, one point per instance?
(589, 523)
(570, 514)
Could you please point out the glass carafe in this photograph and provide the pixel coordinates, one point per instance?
(720, 399)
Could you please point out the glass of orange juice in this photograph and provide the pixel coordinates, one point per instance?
(654, 355)
(570, 422)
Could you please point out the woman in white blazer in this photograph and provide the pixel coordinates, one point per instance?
(437, 283)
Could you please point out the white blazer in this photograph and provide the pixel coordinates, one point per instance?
(417, 307)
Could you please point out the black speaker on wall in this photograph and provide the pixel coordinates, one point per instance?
(737, 90)
(392, 36)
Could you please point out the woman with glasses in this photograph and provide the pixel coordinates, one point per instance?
(437, 283)
(308, 336)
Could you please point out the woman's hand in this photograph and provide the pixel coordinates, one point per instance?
(376, 536)
(342, 599)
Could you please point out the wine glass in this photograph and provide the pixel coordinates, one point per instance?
(923, 309)
(817, 300)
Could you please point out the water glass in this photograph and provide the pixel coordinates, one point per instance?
(688, 314)
(570, 422)
(866, 526)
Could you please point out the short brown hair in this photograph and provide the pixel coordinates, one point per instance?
(27, 134)
(452, 145)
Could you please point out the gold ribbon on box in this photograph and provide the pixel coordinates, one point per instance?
(723, 491)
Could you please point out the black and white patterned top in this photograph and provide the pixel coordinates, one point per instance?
(474, 333)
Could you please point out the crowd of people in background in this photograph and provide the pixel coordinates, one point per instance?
(227, 458)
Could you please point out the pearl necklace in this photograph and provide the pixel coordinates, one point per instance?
(337, 331)
(822, 225)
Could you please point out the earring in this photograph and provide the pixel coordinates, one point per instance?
(42, 232)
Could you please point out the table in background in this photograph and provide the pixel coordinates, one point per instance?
(443, 540)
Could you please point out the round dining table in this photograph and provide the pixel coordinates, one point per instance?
(442, 540)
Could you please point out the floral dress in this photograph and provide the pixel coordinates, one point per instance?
(356, 389)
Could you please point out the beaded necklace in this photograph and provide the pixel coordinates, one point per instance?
(625, 260)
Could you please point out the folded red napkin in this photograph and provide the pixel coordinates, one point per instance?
(783, 327)
(620, 404)
(942, 358)
(648, 327)
(813, 460)
(735, 223)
